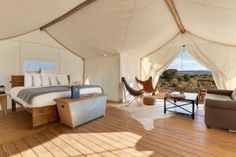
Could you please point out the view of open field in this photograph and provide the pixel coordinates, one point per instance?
(187, 81)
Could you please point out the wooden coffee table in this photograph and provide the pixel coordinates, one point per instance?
(189, 99)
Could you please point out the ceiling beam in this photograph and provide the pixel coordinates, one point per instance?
(72, 11)
(175, 14)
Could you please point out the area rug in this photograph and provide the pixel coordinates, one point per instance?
(146, 115)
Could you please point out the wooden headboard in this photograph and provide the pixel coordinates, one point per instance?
(18, 80)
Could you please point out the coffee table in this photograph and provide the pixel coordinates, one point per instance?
(189, 99)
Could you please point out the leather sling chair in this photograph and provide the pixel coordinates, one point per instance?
(134, 94)
(147, 85)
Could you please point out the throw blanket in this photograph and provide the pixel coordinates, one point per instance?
(27, 95)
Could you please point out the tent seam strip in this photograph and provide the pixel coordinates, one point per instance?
(129, 23)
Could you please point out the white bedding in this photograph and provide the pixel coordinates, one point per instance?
(48, 99)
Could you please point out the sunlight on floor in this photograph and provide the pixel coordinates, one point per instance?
(106, 144)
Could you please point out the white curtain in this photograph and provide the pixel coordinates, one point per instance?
(158, 62)
(218, 58)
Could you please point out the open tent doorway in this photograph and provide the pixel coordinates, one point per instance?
(185, 74)
(217, 58)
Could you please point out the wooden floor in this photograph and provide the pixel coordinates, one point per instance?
(116, 134)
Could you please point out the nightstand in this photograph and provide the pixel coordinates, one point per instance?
(3, 102)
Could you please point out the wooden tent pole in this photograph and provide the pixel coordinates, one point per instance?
(172, 8)
(78, 7)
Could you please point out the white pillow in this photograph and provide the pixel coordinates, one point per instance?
(63, 79)
(28, 80)
(53, 80)
(45, 80)
(37, 81)
(48, 72)
(233, 96)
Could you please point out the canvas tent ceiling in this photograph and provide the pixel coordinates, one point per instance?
(20, 17)
(115, 26)
(211, 19)
(134, 27)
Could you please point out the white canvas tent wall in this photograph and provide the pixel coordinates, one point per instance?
(134, 28)
(36, 46)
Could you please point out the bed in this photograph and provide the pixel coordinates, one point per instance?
(42, 107)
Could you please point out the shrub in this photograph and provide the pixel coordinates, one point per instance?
(169, 74)
(174, 82)
(180, 78)
(187, 77)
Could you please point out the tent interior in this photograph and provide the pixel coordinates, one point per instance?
(97, 42)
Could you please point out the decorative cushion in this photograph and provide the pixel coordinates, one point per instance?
(149, 100)
(233, 96)
(53, 80)
(63, 79)
(37, 81)
(28, 80)
(45, 80)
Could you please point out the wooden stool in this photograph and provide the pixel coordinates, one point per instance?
(3, 102)
(149, 100)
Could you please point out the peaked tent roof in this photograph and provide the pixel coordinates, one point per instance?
(115, 26)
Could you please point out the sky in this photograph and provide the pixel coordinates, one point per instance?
(188, 63)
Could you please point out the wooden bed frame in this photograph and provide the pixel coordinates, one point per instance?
(40, 115)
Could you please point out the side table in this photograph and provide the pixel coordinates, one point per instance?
(3, 102)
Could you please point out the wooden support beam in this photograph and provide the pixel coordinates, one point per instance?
(78, 7)
(175, 14)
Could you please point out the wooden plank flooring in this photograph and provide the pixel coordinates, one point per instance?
(116, 134)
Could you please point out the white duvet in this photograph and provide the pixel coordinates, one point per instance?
(48, 99)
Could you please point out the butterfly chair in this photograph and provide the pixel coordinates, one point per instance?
(148, 88)
(134, 95)
(147, 85)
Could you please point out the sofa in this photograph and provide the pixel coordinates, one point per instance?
(220, 109)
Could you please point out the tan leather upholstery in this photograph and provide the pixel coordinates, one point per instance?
(131, 91)
(147, 85)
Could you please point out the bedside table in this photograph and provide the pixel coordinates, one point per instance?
(3, 102)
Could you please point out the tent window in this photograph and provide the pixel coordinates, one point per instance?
(185, 62)
(185, 74)
(38, 66)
